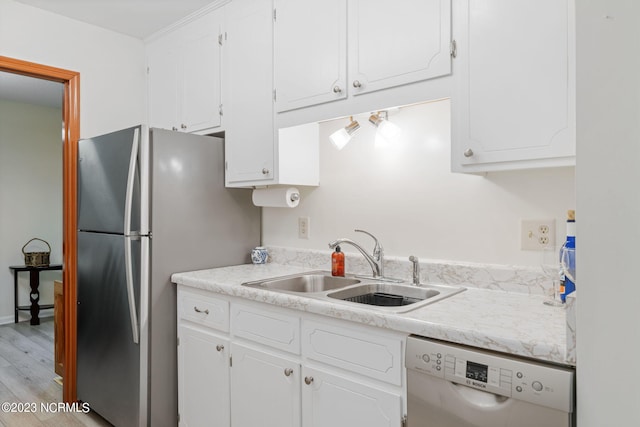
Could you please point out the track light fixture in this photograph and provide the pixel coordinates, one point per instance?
(387, 130)
(341, 137)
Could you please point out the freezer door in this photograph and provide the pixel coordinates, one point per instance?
(108, 367)
(103, 178)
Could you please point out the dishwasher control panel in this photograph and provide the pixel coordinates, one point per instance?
(504, 375)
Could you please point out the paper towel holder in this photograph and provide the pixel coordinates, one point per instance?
(276, 197)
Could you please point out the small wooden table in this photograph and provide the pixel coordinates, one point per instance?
(34, 296)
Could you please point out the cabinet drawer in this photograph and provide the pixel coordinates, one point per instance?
(355, 350)
(204, 310)
(266, 327)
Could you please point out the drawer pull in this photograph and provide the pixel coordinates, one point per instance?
(219, 347)
(308, 380)
(288, 372)
(197, 310)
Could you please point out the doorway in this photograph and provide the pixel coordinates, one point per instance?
(71, 134)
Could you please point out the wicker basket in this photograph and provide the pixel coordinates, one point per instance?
(36, 259)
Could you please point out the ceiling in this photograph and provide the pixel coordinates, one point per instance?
(137, 18)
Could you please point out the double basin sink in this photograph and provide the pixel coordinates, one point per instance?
(377, 293)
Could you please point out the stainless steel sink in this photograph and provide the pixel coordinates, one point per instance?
(376, 294)
(395, 297)
(316, 281)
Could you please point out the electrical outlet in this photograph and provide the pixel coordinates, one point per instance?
(535, 235)
(303, 227)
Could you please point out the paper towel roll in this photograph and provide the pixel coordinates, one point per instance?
(278, 197)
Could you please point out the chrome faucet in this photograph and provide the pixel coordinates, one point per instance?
(376, 261)
(416, 269)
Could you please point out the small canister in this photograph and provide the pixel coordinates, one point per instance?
(259, 255)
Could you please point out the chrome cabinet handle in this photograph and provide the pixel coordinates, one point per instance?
(219, 347)
(288, 372)
(197, 310)
(265, 171)
(337, 89)
(357, 84)
(468, 152)
(308, 380)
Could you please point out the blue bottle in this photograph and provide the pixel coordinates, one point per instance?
(569, 286)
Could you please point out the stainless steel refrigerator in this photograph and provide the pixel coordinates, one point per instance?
(150, 203)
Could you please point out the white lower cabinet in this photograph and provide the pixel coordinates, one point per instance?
(203, 377)
(203, 359)
(265, 389)
(244, 364)
(340, 401)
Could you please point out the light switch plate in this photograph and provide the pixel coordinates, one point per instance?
(303, 227)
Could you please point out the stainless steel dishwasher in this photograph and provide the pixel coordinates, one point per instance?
(451, 385)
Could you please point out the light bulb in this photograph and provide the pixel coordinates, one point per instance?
(340, 138)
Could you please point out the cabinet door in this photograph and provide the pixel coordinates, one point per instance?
(332, 401)
(249, 114)
(399, 42)
(265, 389)
(163, 62)
(513, 103)
(203, 378)
(310, 42)
(200, 81)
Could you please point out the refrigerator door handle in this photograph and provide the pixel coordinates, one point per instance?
(127, 232)
(130, 293)
(131, 177)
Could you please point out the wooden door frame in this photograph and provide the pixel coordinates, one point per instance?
(71, 120)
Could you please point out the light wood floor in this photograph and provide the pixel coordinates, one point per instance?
(27, 376)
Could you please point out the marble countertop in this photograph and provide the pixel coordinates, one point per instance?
(509, 322)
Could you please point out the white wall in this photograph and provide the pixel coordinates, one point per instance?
(111, 65)
(407, 197)
(30, 196)
(608, 201)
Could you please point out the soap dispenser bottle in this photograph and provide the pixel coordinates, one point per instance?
(337, 262)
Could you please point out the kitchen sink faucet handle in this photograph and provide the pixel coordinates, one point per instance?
(377, 249)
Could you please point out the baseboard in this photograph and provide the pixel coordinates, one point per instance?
(44, 314)
(6, 319)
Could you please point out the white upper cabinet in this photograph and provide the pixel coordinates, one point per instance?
(310, 52)
(327, 51)
(256, 153)
(399, 42)
(163, 86)
(513, 103)
(248, 76)
(201, 95)
(185, 75)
